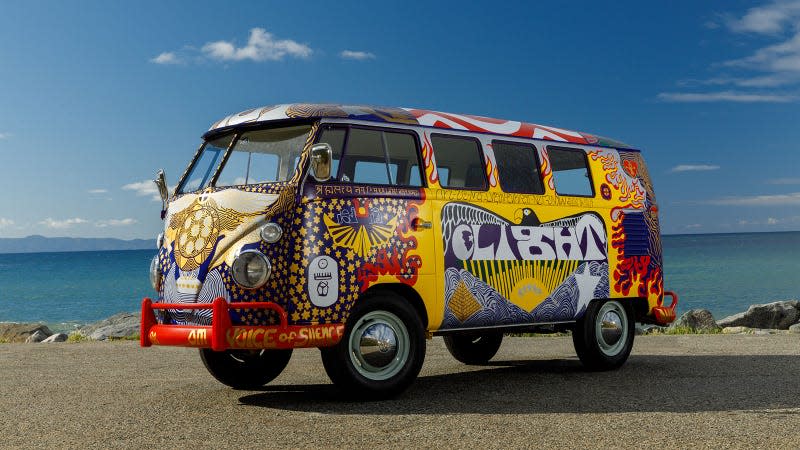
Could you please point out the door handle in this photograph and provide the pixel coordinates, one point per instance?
(420, 224)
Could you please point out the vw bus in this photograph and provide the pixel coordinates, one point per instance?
(364, 231)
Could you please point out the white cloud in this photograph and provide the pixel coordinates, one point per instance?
(143, 188)
(261, 46)
(763, 81)
(775, 64)
(61, 224)
(726, 96)
(784, 181)
(115, 222)
(767, 19)
(5, 136)
(97, 191)
(694, 168)
(770, 221)
(790, 199)
(357, 55)
(693, 226)
(166, 58)
(5, 222)
(782, 59)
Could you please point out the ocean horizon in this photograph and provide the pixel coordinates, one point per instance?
(722, 272)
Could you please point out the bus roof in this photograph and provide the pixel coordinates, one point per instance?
(411, 116)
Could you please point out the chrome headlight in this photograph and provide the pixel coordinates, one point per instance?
(251, 269)
(155, 273)
(271, 232)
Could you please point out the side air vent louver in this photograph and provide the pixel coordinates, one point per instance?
(636, 234)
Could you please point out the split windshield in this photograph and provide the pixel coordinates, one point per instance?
(259, 156)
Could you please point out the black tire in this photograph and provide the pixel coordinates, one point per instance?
(383, 370)
(245, 369)
(604, 345)
(473, 348)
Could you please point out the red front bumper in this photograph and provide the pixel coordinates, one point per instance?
(223, 335)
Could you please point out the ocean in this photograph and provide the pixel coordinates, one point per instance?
(724, 273)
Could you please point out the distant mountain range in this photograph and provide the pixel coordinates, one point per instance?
(38, 244)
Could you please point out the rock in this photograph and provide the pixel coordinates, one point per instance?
(777, 315)
(20, 332)
(644, 328)
(736, 330)
(767, 331)
(697, 320)
(37, 336)
(58, 337)
(120, 325)
(795, 328)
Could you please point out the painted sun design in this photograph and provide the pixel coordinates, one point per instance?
(360, 237)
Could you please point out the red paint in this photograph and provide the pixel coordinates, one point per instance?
(223, 335)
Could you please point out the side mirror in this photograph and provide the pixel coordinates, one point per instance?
(321, 159)
(163, 191)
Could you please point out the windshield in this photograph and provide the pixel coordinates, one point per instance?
(259, 156)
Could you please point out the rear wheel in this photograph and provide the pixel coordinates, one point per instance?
(245, 369)
(473, 348)
(382, 350)
(603, 338)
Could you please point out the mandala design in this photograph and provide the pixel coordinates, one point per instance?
(198, 228)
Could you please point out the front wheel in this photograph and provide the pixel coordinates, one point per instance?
(473, 348)
(382, 350)
(245, 369)
(603, 337)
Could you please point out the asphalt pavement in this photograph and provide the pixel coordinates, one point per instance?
(706, 391)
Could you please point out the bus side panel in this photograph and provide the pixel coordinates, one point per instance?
(511, 259)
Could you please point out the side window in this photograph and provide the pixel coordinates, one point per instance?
(364, 161)
(403, 158)
(518, 167)
(379, 157)
(461, 159)
(334, 137)
(570, 171)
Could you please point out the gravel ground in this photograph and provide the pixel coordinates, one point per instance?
(707, 391)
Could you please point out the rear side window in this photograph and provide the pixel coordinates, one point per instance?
(518, 167)
(460, 158)
(372, 156)
(570, 171)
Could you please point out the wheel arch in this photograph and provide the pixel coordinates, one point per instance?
(639, 305)
(405, 291)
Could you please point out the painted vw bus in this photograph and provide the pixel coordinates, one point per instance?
(364, 231)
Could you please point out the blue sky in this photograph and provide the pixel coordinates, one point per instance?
(95, 97)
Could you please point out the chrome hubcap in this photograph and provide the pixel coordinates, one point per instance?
(610, 328)
(379, 345)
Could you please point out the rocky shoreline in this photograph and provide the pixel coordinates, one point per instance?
(770, 318)
(118, 326)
